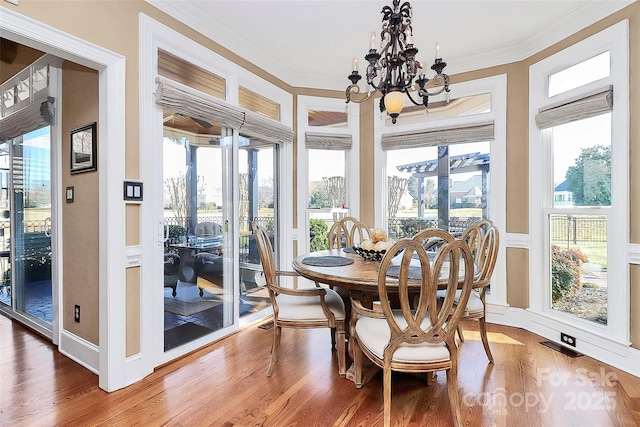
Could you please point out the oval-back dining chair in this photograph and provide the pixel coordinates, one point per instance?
(418, 339)
(484, 240)
(314, 307)
(347, 232)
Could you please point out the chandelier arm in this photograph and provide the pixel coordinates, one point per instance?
(355, 89)
(438, 80)
(424, 101)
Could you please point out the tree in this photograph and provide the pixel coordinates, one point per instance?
(243, 186)
(590, 178)
(412, 187)
(430, 195)
(397, 187)
(335, 190)
(319, 198)
(176, 190)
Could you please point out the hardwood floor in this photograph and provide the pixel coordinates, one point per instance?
(225, 384)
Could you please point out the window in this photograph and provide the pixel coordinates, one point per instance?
(579, 188)
(580, 74)
(453, 164)
(444, 107)
(328, 167)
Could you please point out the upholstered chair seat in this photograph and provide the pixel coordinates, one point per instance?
(374, 334)
(308, 307)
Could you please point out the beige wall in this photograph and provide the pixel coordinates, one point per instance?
(96, 21)
(79, 219)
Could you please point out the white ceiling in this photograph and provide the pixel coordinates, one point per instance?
(310, 43)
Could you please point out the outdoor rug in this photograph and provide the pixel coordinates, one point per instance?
(188, 301)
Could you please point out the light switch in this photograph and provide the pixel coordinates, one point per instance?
(133, 191)
(70, 192)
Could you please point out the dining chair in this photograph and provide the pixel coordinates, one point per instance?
(483, 239)
(347, 232)
(433, 238)
(416, 339)
(314, 307)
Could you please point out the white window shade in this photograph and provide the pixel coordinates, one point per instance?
(325, 141)
(33, 116)
(182, 99)
(266, 129)
(476, 132)
(583, 107)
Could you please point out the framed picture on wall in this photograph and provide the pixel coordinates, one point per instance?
(83, 148)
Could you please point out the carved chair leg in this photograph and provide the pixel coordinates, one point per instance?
(454, 398)
(387, 396)
(460, 335)
(342, 353)
(275, 349)
(333, 337)
(485, 339)
(357, 362)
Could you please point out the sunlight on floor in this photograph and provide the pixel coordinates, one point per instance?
(494, 337)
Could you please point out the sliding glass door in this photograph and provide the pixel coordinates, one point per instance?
(198, 252)
(204, 174)
(25, 233)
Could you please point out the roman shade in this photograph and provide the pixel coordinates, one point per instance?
(34, 116)
(182, 99)
(327, 141)
(581, 107)
(439, 136)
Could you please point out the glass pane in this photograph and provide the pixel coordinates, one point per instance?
(8, 97)
(327, 179)
(258, 104)
(23, 89)
(452, 197)
(327, 194)
(582, 163)
(32, 215)
(334, 119)
(579, 265)
(442, 108)
(40, 78)
(588, 71)
(5, 225)
(198, 294)
(191, 75)
(258, 202)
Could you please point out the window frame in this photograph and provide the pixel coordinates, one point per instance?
(615, 39)
(497, 87)
(352, 157)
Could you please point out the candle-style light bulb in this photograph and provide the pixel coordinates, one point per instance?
(408, 39)
(438, 50)
(372, 44)
(355, 64)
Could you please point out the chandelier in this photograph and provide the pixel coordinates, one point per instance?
(394, 71)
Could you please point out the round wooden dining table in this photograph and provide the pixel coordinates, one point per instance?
(359, 278)
(361, 275)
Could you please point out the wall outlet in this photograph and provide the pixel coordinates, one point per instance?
(567, 339)
(76, 314)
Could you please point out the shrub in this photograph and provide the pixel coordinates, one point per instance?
(318, 231)
(411, 226)
(566, 269)
(175, 231)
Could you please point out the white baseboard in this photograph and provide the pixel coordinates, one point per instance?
(618, 355)
(80, 350)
